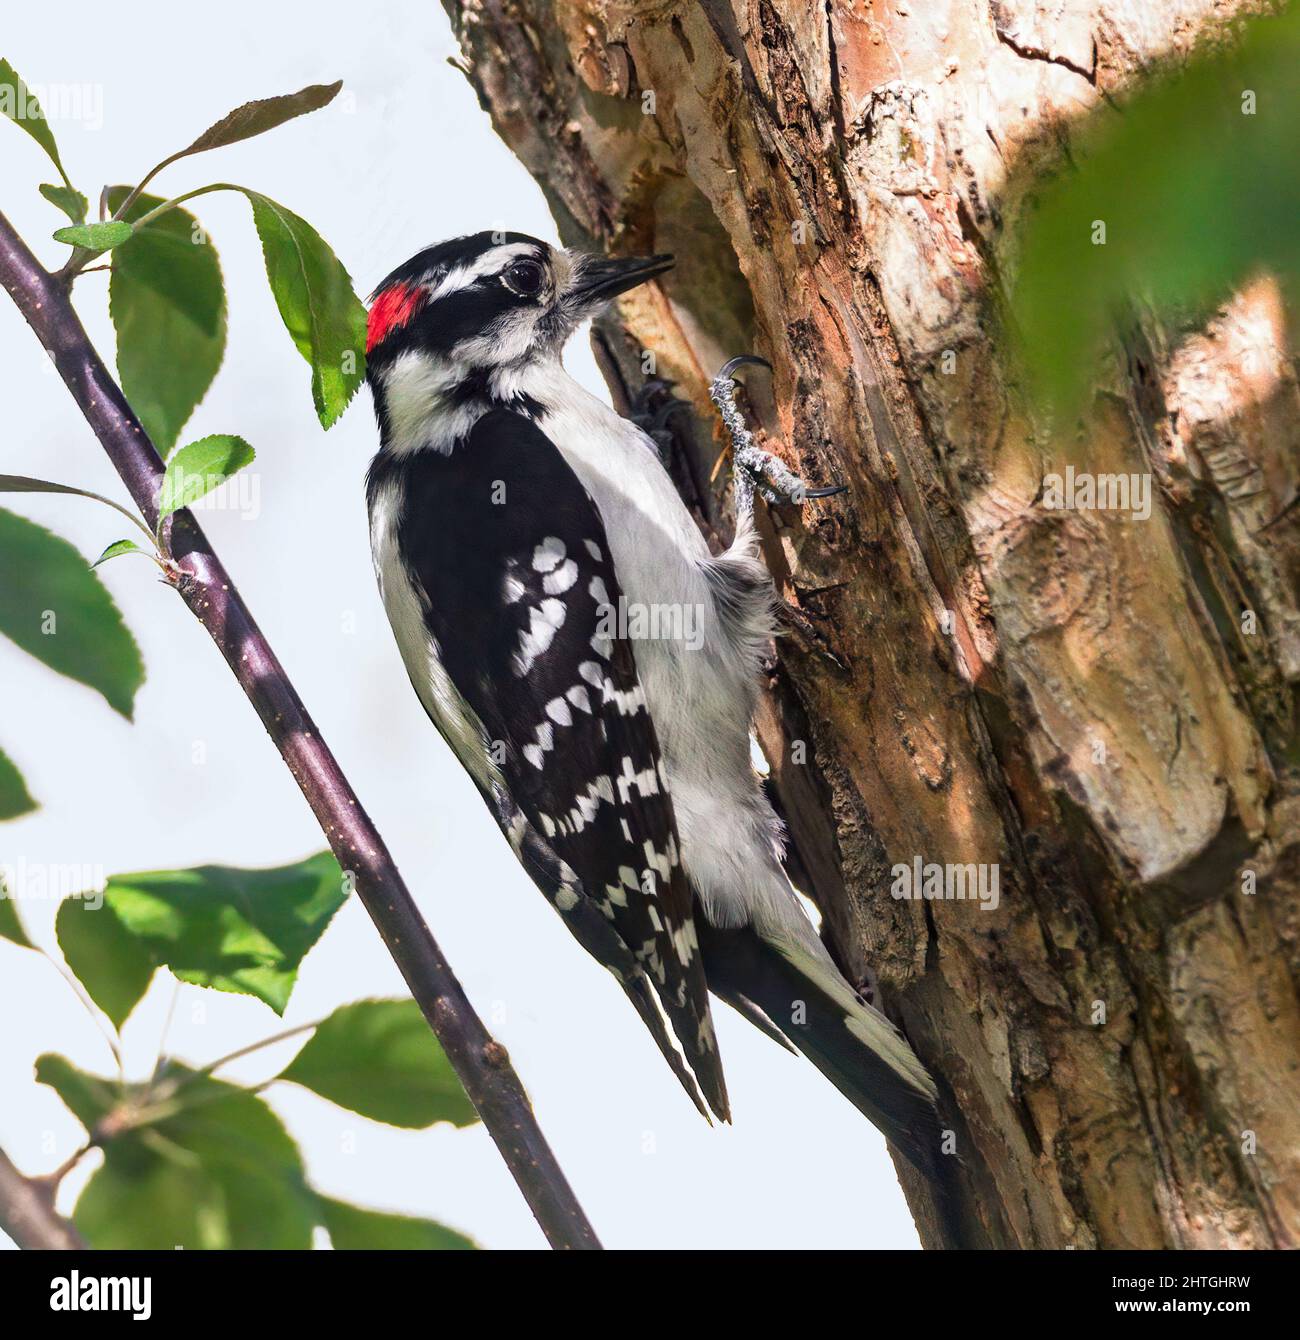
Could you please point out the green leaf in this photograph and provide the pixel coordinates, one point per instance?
(17, 103)
(324, 317)
(313, 291)
(168, 304)
(95, 236)
(70, 201)
(11, 926)
(255, 118)
(352, 1228)
(200, 467)
(378, 1058)
(249, 1162)
(62, 614)
(15, 800)
(231, 929)
(153, 1203)
(117, 549)
(113, 966)
(89, 1097)
(194, 1163)
(1196, 188)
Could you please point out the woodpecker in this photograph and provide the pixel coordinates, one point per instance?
(595, 668)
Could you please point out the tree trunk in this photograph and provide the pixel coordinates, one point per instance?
(1099, 708)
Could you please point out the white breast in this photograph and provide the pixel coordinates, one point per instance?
(701, 698)
(699, 693)
(620, 467)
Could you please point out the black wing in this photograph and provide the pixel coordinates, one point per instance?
(514, 563)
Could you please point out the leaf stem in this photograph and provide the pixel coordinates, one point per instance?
(48, 486)
(82, 256)
(126, 511)
(160, 1057)
(138, 190)
(151, 215)
(87, 1004)
(282, 1036)
(203, 1072)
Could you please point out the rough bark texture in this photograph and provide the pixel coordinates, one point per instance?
(1075, 696)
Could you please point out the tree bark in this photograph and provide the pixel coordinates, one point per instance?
(28, 1215)
(1101, 707)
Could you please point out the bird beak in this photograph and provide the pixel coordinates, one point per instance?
(600, 280)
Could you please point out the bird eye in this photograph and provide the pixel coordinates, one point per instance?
(524, 278)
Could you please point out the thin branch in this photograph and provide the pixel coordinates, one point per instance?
(28, 1215)
(481, 1062)
(52, 1181)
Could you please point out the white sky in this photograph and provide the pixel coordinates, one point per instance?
(410, 160)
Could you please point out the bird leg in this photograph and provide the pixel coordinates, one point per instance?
(753, 467)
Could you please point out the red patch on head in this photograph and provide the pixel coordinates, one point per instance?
(391, 310)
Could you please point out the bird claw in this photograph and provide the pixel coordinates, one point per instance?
(652, 410)
(728, 371)
(756, 469)
(771, 477)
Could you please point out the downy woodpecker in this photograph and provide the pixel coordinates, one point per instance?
(595, 668)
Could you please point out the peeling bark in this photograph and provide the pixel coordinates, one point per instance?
(1103, 707)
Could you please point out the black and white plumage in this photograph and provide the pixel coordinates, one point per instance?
(531, 552)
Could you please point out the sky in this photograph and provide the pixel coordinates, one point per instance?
(402, 159)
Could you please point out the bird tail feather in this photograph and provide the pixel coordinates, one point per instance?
(698, 1070)
(853, 1045)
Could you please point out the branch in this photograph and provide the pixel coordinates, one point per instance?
(27, 1213)
(481, 1063)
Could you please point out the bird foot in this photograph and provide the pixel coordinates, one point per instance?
(866, 987)
(756, 469)
(652, 410)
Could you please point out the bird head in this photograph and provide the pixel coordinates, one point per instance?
(493, 300)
